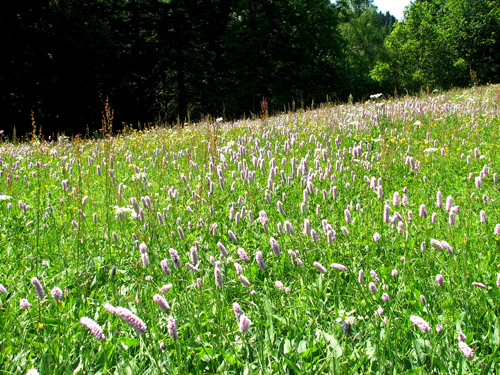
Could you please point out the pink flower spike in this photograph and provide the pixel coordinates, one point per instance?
(440, 279)
(244, 323)
(131, 319)
(94, 328)
(161, 301)
(468, 352)
(361, 276)
(338, 266)
(24, 303)
(56, 293)
(480, 285)
(166, 288)
(38, 287)
(110, 308)
(320, 267)
(172, 328)
(420, 323)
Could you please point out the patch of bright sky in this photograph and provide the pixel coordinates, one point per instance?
(395, 7)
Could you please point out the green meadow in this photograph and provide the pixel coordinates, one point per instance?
(357, 238)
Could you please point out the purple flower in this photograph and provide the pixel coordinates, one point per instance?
(131, 319)
(374, 276)
(243, 255)
(110, 308)
(347, 215)
(468, 352)
(222, 249)
(385, 297)
(379, 311)
(361, 276)
(172, 328)
(260, 260)
(439, 199)
(180, 232)
(175, 258)
(24, 303)
(373, 288)
(94, 328)
(437, 244)
(275, 246)
(387, 211)
(218, 277)
(480, 285)
(440, 279)
(338, 266)
(145, 259)
(320, 268)
(238, 268)
(420, 323)
(166, 288)
(199, 284)
(191, 267)
(395, 199)
(161, 301)
(289, 227)
(231, 235)
(164, 267)
(194, 255)
(237, 310)
(447, 246)
(56, 293)
(38, 287)
(451, 218)
(244, 323)
(143, 248)
(461, 336)
(244, 280)
(449, 203)
(423, 300)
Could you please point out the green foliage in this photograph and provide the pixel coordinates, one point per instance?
(365, 31)
(441, 44)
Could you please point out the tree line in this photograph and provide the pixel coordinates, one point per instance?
(177, 61)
